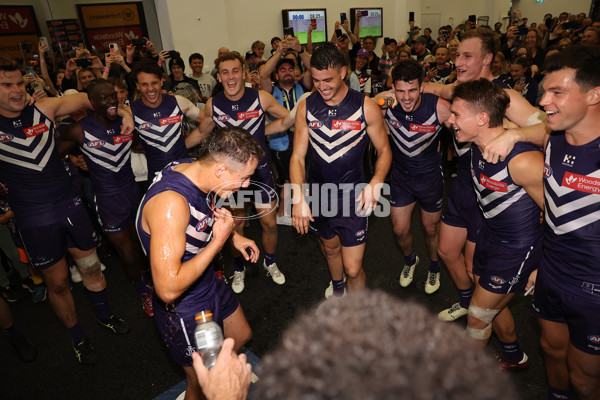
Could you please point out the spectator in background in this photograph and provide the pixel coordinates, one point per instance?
(206, 83)
(441, 71)
(452, 49)
(591, 36)
(177, 67)
(499, 67)
(521, 80)
(533, 43)
(274, 42)
(430, 42)
(258, 48)
(389, 57)
(360, 79)
(420, 48)
(220, 52)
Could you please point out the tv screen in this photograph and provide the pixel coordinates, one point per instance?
(299, 20)
(371, 21)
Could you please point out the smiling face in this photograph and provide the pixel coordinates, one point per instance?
(177, 72)
(12, 93)
(197, 64)
(408, 94)
(441, 56)
(85, 77)
(234, 177)
(517, 71)
(330, 83)
(361, 62)
(564, 103)
(232, 75)
(104, 102)
(150, 87)
(471, 63)
(463, 120)
(531, 39)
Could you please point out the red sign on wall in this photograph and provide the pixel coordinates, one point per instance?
(15, 20)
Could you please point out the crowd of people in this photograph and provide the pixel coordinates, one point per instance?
(168, 168)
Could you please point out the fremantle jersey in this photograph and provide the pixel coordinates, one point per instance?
(160, 131)
(511, 216)
(337, 137)
(572, 205)
(198, 233)
(415, 136)
(463, 170)
(31, 168)
(245, 113)
(107, 155)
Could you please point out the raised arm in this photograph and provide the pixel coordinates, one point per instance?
(165, 217)
(269, 67)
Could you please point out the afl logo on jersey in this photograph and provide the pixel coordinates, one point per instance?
(497, 280)
(5, 137)
(223, 118)
(145, 126)
(95, 143)
(547, 170)
(202, 224)
(315, 124)
(595, 339)
(394, 123)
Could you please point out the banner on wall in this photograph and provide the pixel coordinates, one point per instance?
(112, 23)
(19, 30)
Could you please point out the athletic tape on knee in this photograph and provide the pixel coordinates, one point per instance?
(89, 265)
(482, 314)
(480, 334)
(536, 118)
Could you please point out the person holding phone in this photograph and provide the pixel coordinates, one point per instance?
(521, 81)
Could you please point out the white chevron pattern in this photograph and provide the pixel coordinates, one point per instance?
(94, 153)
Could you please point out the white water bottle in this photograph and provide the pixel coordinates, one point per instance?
(209, 338)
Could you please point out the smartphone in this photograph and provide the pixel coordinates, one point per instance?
(365, 13)
(37, 86)
(343, 17)
(548, 23)
(83, 62)
(432, 65)
(569, 25)
(29, 70)
(313, 21)
(521, 80)
(138, 43)
(386, 41)
(445, 36)
(411, 16)
(43, 41)
(473, 18)
(338, 33)
(173, 54)
(252, 67)
(288, 32)
(523, 30)
(114, 49)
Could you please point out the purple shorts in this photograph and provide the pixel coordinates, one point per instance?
(261, 189)
(117, 211)
(351, 229)
(577, 305)
(177, 329)
(46, 245)
(462, 211)
(428, 189)
(502, 269)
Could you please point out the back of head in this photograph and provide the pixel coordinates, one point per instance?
(327, 56)
(229, 145)
(490, 42)
(483, 96)
(584, 59)
(408, 70)
(371, 346)
(146, 66)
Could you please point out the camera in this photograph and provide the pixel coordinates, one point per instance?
(445, 36)
(386, 41)
(252, 67)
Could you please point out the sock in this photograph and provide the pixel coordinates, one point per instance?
(238, 264)
(465, 297)
(144, 285)
(338, 287)
(410, 259)
(434, 266)
(555, 394)
(512, 351)
(12, 333)
(76, 333)
(269, 258)
(100, 302)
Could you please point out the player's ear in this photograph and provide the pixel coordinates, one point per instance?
(220, 169)
(593, 96)
(483, 119)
